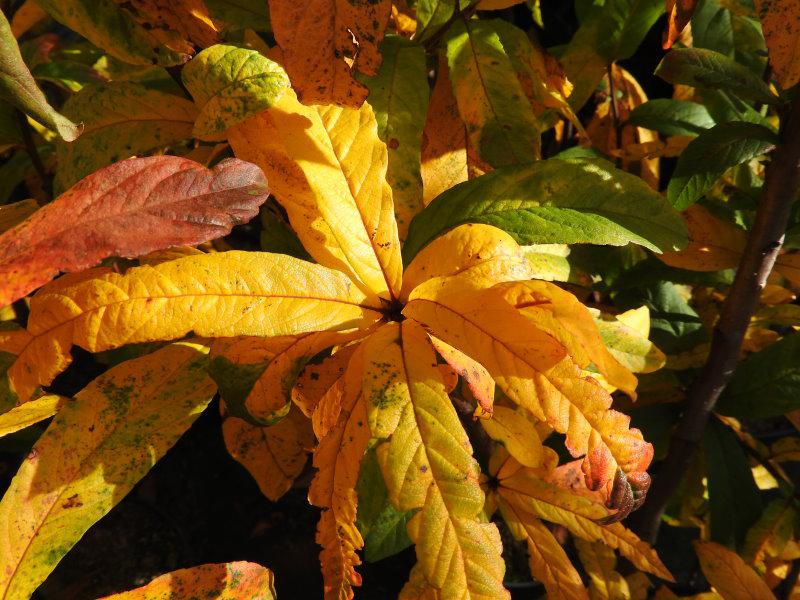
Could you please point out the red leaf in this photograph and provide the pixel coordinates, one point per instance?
(128, 209)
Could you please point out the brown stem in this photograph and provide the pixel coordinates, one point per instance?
(781, 184)
(33, 152)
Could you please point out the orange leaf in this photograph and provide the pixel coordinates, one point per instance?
(476, 377)
(189, 18)
(325, 42)
(338, 460)
(679, 14)
(713, 244)
(780, 20)
(317, 378)
(444, 140)
(728, 573)
(128, 209)
(223, 581)
(273, 455)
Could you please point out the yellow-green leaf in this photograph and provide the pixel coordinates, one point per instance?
(92, 454)
(224, 581)
(430, 463)
(30, 413)
(230, 84)
(327, 167)
(18, 86)
(121, 119)
(498, 115)
(110, 27)
(625, 335)
(215, 295)
(399, 96)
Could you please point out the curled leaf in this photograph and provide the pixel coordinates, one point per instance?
(18, 86)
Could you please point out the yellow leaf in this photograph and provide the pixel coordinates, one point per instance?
(534, 298)
(214, 295)
(534, 370)
(30, 413)
(599, 561)
(327, 167)
(530, 492)
(780, 20)
(713, 244)
(478, 380)
(548, 561)
(92, 454)
(444, 140)
(325, 42)
(273, 455)
(729, 574)
(338, 461)
(481, 254)
(224, 581)
(515, 431)
(427, 464)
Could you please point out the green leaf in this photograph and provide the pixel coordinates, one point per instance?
(672, 117)
(674, 325)
(733, 498)
(109, 26)
(240, 14)
(712, 153)
(230, 84)
(499, 117)
(765, 385)
(399, 95)
(381, 524)
(122, 119)
(235, 381)
(432, 15)
(704, 68)
(10, 133)
(712, 27)
(609, 32)
(92, 454)
(18, 86)
(555, 202)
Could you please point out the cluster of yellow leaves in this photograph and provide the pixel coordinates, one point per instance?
(468, 300)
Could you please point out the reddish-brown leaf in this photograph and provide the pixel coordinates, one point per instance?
(128, 209)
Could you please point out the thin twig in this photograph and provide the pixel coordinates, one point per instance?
(33, 152)
(785, 589)
(612, 91)
(781, 185)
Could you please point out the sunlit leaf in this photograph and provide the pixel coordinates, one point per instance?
(225, 581)
(128, 209)
(92, 454)
(729, 574)
(325, 42)
(215, 295)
